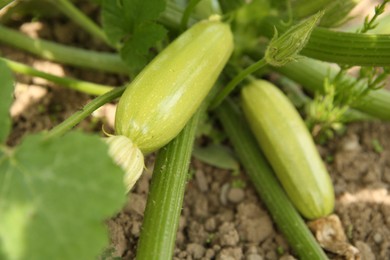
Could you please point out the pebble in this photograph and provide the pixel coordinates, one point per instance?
(210, 225)
(378, 238)
(223, 194)
(365, 250)
(228, 234)
(235, 195)
(252, 249)
(210, 254)
(351, 143)
(136, 204)
(230, 253)
(201, 180)
(195, 250)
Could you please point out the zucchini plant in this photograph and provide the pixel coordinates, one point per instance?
(183, 61)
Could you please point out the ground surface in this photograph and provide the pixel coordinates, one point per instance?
(220, 219)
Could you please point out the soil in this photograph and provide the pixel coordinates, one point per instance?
(220, 219)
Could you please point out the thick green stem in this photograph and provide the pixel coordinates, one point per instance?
(284, 214)
(77, 117)
(82, 86)
(64, 54)
(165, 197)
(348, 48)
(80, 18)
(341, 47)
(235, 81)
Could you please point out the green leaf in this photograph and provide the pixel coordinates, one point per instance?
(218, 156)
(113, 21)
(6, 91)
(139, 11)
(126, 24)
(135, 51)
(55, 195)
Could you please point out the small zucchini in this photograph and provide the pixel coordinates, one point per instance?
(289, 147)
(157, 104)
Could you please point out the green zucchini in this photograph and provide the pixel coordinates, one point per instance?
(289, 147)
(157, 104)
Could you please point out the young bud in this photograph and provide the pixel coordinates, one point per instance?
(284, 49)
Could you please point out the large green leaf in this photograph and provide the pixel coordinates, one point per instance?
(130, 25)
(6, 90)
(55, 195)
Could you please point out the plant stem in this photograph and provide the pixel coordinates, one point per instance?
(171, 17)
(187, 13)
(284, 214)
(348, 48)
(166, 194)
(344, 48)
(80, 18)
(82, 86)
(77, 117)
(235, 81)
(369, 24)
(311, 74)
(64, 54)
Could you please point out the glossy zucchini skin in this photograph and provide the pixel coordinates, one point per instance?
(289, 147)
(162, 98)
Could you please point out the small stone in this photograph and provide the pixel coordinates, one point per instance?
(216, 248)
(365, 250)
(255, 230)
(271, 255)
(210, 224)
(136, 204)
(249, 210)
(230, 253)
(378, 238)
(118, 238)
(223, 194)
(182, 254)
(252, 250)
(201, 180)
(351, 143)
(210, 254)
(201, 206)
(195, 250)
(228, 235)
(136, 229)
(196, 232)
(235, 195)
